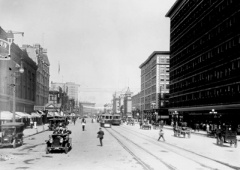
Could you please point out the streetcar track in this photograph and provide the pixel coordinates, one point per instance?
(217, 161)
(145, 166)
(138, 159)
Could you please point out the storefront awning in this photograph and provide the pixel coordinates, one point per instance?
(6, 115)
(34, 114)
(23, 115)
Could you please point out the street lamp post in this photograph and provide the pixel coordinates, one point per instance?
(20, 70)
(160, 100)
(175, 115)
(214, 113)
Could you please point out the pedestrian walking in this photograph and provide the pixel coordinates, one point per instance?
(100, 135)
(83, 124)
(161, 134)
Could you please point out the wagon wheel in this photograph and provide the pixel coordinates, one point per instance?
(221, 141)
(14, 143)
(21, 141)
(66, 148)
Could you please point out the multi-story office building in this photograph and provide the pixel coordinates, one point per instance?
(39, 56)
(205, 60)
(10, 77)
(155, 85)
(73, 91)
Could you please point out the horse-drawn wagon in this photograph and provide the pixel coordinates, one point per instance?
(182, 129)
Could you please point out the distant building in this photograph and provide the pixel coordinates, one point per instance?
(87, 108)
(155, 86)
(205, 62)
(116, 102)
(70, 88)
(127, 103)
(108, 108)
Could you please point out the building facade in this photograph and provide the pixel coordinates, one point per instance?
(25, 83)
(87, 108)
(127, 103)
(117, 102)
(108, 107)
(155, 86)
(205, 60)
(39, 56)
(73, 91)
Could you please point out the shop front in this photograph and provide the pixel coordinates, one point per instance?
(216, 116)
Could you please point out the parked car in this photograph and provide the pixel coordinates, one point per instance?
(11, 134)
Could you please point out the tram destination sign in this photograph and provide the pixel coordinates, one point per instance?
(4, 50)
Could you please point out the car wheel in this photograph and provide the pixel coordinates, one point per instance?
(21, 141)
(14, 143)
(47, 150)
(66, 148)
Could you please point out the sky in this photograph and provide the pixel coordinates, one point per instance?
(98, 44)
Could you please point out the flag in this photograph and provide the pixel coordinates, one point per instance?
(58, 68)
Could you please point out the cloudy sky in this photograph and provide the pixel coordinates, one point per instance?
(99, 44)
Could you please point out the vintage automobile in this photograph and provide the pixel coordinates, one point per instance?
(226, 135)
(59, 141)
(11, 134)
(56, 122)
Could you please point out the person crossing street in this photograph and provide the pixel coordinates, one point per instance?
(83, 124)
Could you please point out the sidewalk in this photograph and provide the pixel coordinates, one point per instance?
(39, 129)
(200, 132)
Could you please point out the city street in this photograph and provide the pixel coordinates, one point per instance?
(124, 147)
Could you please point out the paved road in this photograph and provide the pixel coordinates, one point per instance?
(128, 148)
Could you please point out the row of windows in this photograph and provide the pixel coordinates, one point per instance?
(212, 96)
(204, 23)
(221, 73)
(205, 41)
(223, 53)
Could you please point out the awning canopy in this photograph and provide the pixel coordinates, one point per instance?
(6, 115)
(53, 114)
(23, 115)
(34, 114)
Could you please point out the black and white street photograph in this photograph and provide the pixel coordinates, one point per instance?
(119, 85)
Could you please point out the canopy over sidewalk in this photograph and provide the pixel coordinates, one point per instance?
(23, 115)
(34, 114)
(7, 115)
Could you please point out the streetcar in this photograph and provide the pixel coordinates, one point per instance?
(116, 119)
(106, 120)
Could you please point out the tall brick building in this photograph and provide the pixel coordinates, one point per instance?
(25, 83)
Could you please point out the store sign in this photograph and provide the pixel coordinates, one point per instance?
(4, 49)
